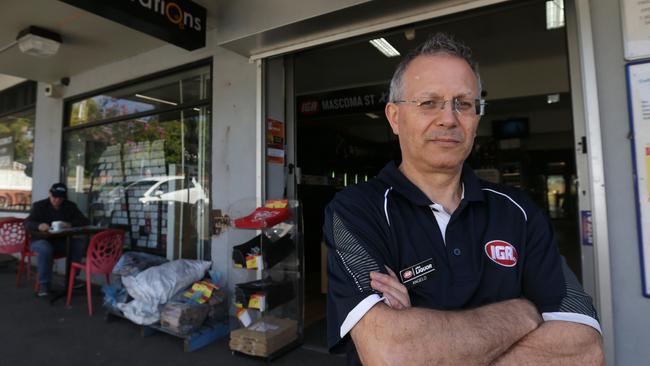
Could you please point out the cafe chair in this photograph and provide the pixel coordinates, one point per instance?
(103, 252)
(14, 239)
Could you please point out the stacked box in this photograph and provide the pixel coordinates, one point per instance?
(182, 317)
(264, 337)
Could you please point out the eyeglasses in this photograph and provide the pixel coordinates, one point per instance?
(462, 106)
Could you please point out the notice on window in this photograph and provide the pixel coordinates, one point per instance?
(274, 141)
(639, 100)
(636, 28)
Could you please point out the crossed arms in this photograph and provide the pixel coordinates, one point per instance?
(505, 333)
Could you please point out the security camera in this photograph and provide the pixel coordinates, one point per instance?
(53, 90)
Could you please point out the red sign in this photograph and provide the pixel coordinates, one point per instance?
(501, 252)
(274, 141)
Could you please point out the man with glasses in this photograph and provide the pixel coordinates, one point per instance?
(428, 264)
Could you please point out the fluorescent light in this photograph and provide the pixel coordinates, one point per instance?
(554, 14)
(155, 99)
(552, 98)
(384, 47)
(372, 115)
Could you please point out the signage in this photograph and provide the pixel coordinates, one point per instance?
(638, 83)
(587, 228)
(348, 101)
(635, 15)
(274, 141)
(179, 22)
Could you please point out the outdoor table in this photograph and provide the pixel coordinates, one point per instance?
(66, 233)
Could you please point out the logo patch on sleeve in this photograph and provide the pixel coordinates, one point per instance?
(501, 252)
(415, 274)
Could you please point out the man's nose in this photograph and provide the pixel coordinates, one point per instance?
(447, 116)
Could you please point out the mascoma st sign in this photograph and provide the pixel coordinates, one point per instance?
(179, 22)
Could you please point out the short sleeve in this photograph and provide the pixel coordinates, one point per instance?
(355, 248)
(548, 281)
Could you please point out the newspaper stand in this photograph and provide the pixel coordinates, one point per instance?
(266, 279)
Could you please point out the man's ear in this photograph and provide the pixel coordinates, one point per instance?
(392, 114)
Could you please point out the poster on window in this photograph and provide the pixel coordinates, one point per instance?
(638, 82)
(274, 141)
(635, 15)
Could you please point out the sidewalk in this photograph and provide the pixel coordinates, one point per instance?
(37, 333)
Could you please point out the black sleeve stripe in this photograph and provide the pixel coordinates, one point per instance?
(575, 300)
(354, 256)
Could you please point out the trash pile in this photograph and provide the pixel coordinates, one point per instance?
(177, 295)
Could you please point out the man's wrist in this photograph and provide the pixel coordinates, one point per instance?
(529, 313)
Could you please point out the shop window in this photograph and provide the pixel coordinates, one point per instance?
(146, 173)
(143, 98)
(16, 146)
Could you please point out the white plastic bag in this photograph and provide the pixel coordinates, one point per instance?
(156, 285)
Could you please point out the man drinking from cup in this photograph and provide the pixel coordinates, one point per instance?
(54, 214)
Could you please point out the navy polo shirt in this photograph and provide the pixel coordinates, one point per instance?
(497, 245)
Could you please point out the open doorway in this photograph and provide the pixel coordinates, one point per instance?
(526, 138)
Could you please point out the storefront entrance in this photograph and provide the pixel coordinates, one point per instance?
(338, 134)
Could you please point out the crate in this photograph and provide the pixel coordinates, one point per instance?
(206, 334)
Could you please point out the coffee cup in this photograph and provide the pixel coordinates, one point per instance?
(58, 225)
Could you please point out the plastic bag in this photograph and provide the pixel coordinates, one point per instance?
(132, 263)
(156, 285)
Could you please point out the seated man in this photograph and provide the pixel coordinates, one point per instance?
(430, 265)
(54, 208)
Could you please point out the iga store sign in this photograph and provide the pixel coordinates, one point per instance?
(358, 100)
(179, 22)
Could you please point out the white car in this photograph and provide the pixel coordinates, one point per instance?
(168, 188)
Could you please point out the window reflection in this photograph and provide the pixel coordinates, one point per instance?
(16, 156)
(147, 175)
(170, 91)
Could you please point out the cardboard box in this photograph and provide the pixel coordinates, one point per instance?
(264, 337)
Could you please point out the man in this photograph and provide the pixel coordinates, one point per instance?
(468, 271)
(54, 208)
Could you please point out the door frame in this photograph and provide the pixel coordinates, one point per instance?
(586, 116)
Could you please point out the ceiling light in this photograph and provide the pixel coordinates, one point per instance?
(155, 99)
(372, 115)
(552, 98)
(384, 47)
(554, 14)
(38, 42)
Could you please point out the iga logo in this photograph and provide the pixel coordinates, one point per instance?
(309, 107)
(501, 252)
(408, 274)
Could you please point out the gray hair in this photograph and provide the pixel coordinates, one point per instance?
(439, 43)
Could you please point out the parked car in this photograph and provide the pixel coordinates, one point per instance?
(167, 189)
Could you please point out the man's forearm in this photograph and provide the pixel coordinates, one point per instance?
(556, 343)
(417, 336)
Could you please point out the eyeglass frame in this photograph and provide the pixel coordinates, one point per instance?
(479, 104)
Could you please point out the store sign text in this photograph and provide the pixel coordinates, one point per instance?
(357, 100)
(179, 22)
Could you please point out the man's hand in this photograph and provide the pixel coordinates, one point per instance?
(43, 227)
(392, 289)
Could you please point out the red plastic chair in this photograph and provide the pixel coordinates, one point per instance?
(104, 251)
(14, 239)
